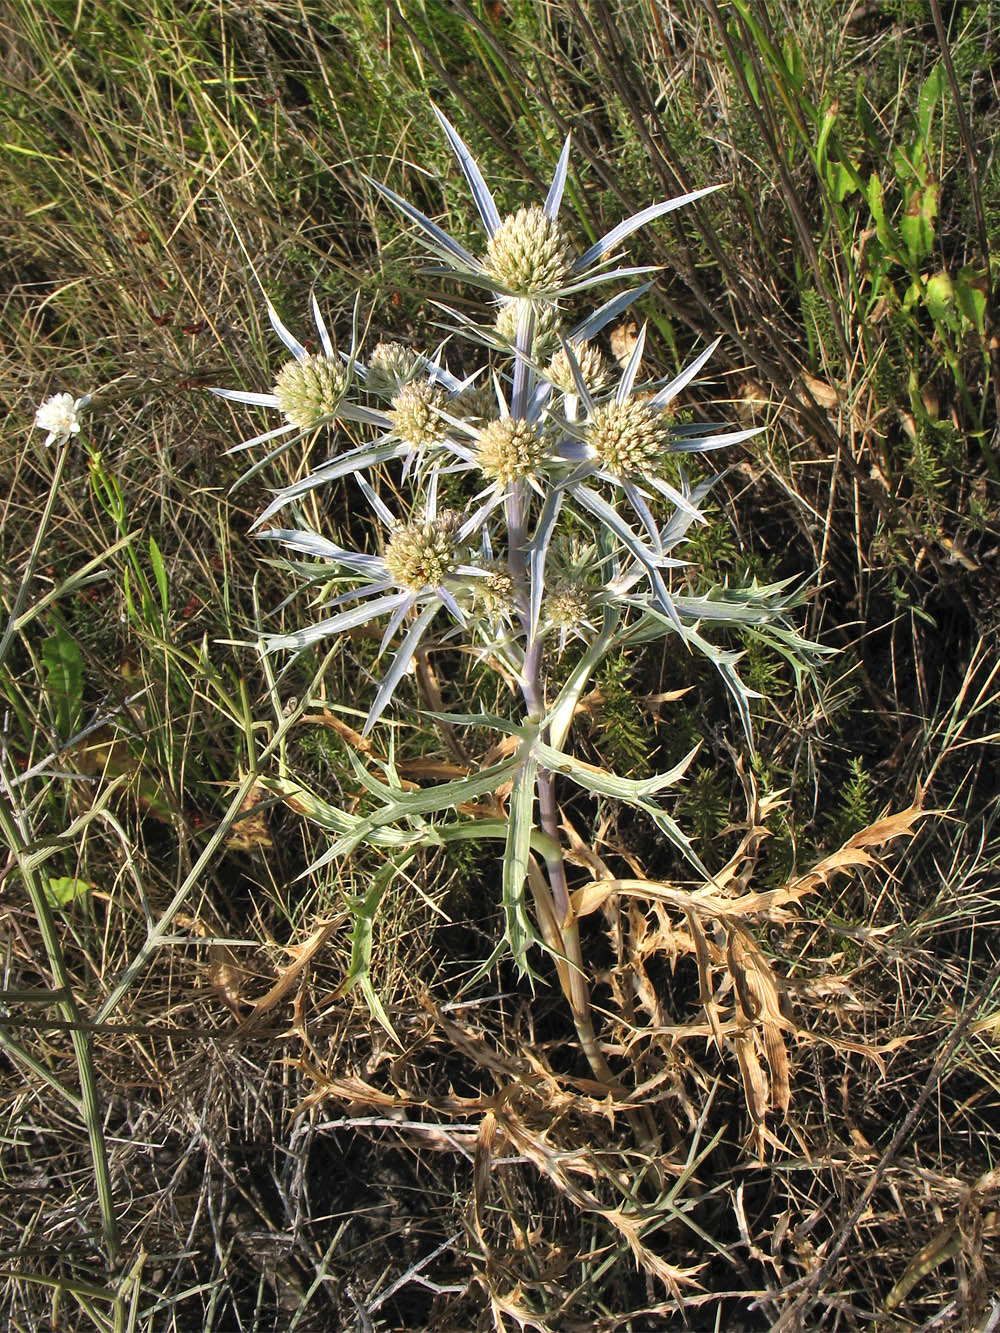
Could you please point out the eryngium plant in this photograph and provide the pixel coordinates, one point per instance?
(573, 511)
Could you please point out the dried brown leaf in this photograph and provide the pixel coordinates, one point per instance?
(755, 1084)
(623, 338)
(485, 1142)
(250, 831)
(854, 854)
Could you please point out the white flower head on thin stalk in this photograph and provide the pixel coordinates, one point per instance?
(527, 253)
(419, 573)
(60, 416)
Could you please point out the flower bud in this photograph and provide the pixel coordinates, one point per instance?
(495, 592)
(566, 604)
(390, 366)
(594, 368)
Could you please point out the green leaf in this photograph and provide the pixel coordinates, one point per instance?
(63, 665)
(634, 792)
(842, 180)
(401, 805)
(939, 297)
(160, 574)
(931, 93)
(363, 912)
(64, 890)
(917, 223)
(515, 863)
(970, 296)
(602, 783)
(884, 230)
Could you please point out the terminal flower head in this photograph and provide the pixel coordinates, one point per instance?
(60, 416)
(528, 254)
(310, 390)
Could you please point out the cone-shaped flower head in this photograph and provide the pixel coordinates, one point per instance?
(390, 366)
(594, 368)
(528, 253)
(545, 338)
(310, 390)
(509, 449)
(422, 553)
(629, 438)
(414, 414)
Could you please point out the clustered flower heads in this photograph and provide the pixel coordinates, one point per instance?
(544, 449)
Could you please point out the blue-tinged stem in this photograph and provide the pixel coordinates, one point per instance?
(533, 689)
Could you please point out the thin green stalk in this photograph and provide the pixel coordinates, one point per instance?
(18, 1054)
(36, 547)
(90, 1102)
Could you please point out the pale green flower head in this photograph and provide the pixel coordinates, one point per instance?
(529, 253)
(495, 592)
(390, 366)
(629, 438)
(476, 402)
(546, 334)
(567, 604)
(415, 413)
(595, 370)
(310, 390)
(509, 449)
(422, 553)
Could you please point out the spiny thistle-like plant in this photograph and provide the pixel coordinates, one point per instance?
(574, 506)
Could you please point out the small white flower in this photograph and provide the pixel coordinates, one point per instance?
(59, 415)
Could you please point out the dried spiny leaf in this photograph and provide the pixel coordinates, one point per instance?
(485, 1142)
(754, 1079)
(854, 854)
